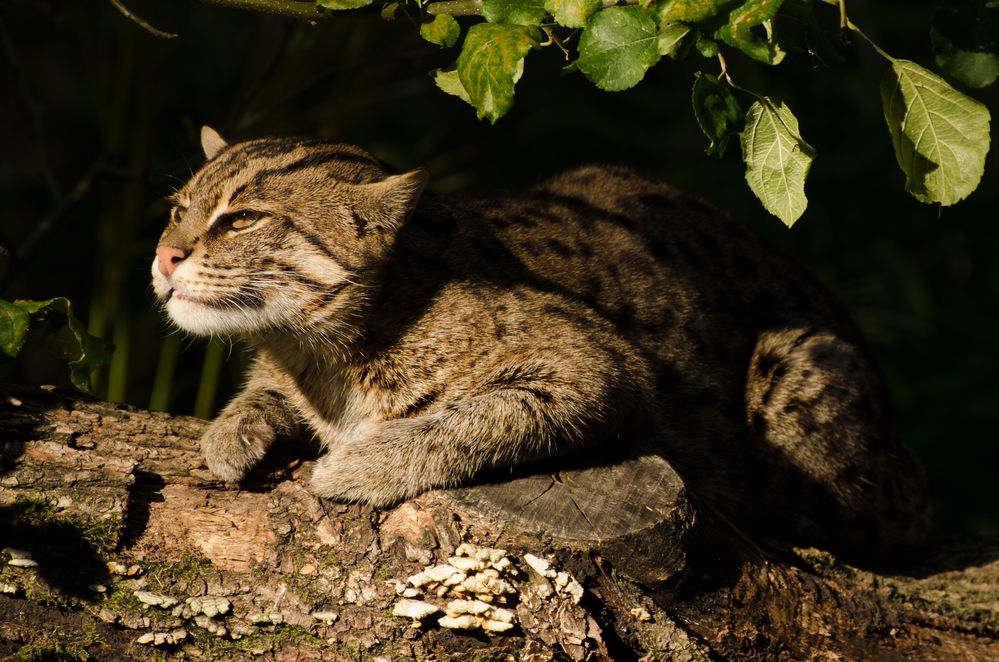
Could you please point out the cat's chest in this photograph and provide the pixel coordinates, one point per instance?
(334, 404)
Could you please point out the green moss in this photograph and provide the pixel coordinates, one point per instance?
(178, 576)
(121, 600)
(209, 646)
(103, 535)
(68, 550)
(278, 636)
(60, 646)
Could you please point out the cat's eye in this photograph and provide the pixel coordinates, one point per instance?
(237, 221)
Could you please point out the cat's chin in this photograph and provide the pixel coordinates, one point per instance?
(201, 319)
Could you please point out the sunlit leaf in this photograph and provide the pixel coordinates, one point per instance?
(443, 30)
(940, 136)
(777, 159)
(572, 13)
(515, 12)
(672, 38)
(490, 64)
(739, 31)
(618, 46)
(689, 11)
(449, 82)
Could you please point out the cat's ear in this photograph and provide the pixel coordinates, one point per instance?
(211, 142)
(390, 202)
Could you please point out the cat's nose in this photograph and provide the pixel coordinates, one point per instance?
(168, 257)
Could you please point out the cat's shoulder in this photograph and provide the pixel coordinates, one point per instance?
(621, 188)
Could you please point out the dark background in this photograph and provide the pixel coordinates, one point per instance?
(80, 85)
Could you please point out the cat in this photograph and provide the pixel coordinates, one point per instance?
(427, 340)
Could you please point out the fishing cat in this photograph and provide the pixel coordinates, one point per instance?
(425, 340)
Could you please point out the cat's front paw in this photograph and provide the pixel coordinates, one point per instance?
(233, 444)
(372, 468)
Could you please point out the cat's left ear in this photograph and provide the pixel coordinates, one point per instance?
(211, 142)
(390, 202)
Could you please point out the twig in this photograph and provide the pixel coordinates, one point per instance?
(456, 7)
(142, 23)
(302, 10)
(552, 39)
(870, 42)
(843, 20)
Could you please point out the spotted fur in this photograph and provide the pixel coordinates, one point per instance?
(425, 340)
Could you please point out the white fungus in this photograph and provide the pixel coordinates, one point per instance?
(163, 638)
(155, 600)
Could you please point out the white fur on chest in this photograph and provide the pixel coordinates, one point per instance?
(335, 408)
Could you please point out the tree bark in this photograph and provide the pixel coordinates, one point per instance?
(118, 544)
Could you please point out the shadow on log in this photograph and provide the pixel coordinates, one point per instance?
(118, 544)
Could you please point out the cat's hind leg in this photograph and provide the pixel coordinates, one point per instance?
(819, 406)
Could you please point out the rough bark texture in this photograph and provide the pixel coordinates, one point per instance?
(119, 545)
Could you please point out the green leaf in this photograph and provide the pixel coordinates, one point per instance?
(388, 11)
(706, 46)
(972, 69)
(689, 11)
(965, 37)
(671, 39)
(717, 111)
(777, 159)
(82, 351)
(338, 5)
(940, 136)
(515, 12)
(450, 83)
(572, 13)
(738, 32)
(14, 321)
(490, 64)
(618, 46)
(443, 30)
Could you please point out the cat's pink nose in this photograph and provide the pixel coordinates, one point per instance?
(168, 257)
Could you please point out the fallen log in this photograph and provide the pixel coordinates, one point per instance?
(118, 544)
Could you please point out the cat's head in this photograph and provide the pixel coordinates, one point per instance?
(276, 233)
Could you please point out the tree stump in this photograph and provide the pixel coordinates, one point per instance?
(118, 544)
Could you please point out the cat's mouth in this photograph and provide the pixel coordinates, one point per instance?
(174, 294)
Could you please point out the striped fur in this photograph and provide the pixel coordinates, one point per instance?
(425, 341)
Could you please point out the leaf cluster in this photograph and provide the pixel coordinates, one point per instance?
(67, 336)
(940, 135)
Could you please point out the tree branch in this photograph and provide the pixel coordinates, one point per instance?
(117, 525)
(306, 11)
(141, 22)
(456, 7)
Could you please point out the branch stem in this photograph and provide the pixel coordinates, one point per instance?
(850, 24)
(141, 22)
(306, 11)
(456, 7)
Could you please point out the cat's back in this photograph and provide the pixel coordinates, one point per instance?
(666, 269)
